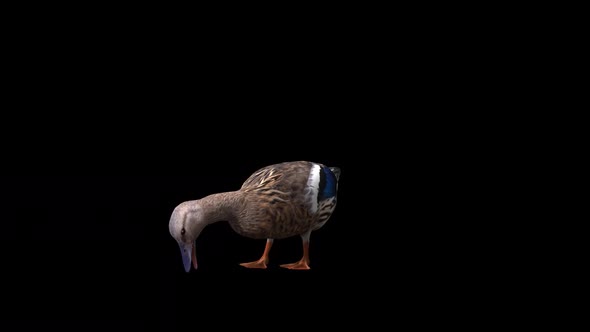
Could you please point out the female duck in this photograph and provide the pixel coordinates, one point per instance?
(276, 202)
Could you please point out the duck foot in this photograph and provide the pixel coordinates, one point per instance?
(259, 264)
(301, 265)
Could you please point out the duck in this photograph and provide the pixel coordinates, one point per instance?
(275, 202)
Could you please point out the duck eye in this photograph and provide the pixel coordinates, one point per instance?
(182, 231)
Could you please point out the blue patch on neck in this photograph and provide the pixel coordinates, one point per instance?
(327, 183)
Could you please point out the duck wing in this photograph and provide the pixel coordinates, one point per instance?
(304, 184)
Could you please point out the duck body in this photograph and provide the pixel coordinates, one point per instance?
(275, 202)
(286, 199)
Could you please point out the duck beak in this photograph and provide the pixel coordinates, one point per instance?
(188, 255)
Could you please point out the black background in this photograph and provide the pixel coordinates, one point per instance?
(86, 196)
(96, 248)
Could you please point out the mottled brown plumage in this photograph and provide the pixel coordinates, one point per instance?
(275, 202)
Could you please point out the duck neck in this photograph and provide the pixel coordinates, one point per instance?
(220, 207)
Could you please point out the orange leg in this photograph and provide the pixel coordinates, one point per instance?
(303, 263)
(261, 263)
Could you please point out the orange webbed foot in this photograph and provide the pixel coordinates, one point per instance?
(301, 265)
(259, 264)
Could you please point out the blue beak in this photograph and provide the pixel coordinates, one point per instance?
(187, 251)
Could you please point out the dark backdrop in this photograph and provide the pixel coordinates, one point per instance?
(96, 248)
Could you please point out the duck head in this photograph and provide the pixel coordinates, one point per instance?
(186, 224)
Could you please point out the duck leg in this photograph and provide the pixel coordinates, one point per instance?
(261, 263)
(303, 263)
